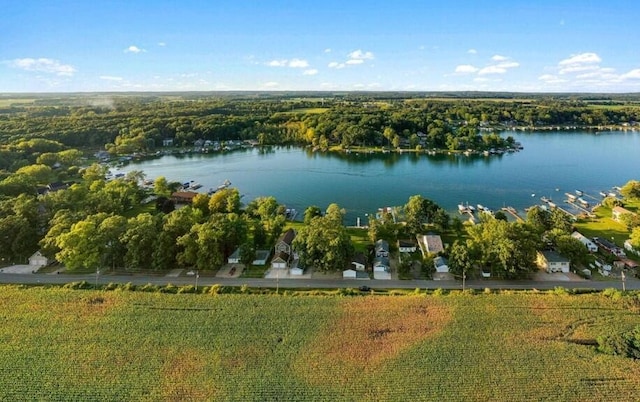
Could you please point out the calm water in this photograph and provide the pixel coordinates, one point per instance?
(551, 164)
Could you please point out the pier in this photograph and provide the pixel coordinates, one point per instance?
(513, 212)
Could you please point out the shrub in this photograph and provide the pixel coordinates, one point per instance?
(625, 344)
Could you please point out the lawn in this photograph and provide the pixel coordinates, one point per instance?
(603, 226)
(60, 344)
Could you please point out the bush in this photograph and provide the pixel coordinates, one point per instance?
(186, 289)
(149, 288)
(78, 285)
(625, 344)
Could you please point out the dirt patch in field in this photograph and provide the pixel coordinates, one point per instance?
(183, 378)
(370, 331)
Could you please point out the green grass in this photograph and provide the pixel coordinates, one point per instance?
(359, 238)
(603, 226)
(119, 345)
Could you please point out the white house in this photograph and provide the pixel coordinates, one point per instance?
(381, 268)
(38, 260)
(617, 212)
(280, 260)
(629, 247)
(590, 245)
(440, 263)
(551, 261)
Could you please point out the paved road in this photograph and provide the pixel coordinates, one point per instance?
(631, 283)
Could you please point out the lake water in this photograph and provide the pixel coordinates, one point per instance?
(551, 164)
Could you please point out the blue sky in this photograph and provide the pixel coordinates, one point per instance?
(138, 45)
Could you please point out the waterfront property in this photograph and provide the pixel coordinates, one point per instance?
(430, 244)
(590, 245)
(183, 197)
(552, 261)
(618, 212)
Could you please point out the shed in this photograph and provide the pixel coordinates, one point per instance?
(38, 260)
(441, 264)
(261, 257)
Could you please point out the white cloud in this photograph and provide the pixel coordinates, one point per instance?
(134, 49)
(354, 61)
(43, 65)
(327, 50)
(298, 63)
(633, 74)
(311, 71)
(498, 57)
(466, 69)
(110, 78)
(472, 51)
(277, 63)
(579, 62)
(293, 63)
(551, 79)
(335, 64)
(508, 64)
(360, 55)
(270, 84)
(492, 70)
(162, 44)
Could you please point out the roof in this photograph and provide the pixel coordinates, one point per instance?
(185, 195)
(282, 256)
(440, 261)
(552, 256)
(287, 237)
(359, 258)
(620, 210)
(382, 244)
(433, 243)
(406, 243)
(580, 236)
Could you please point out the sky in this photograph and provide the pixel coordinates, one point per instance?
(277, 45)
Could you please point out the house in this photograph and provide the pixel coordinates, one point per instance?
(381, 268)
(551, 261)
(359, 262)
(234, 258)
(609, 246)
(167, 142)
(591, 246)
(183, 197)
(38, 260)
(382, 248)
(280, 260)
(430, 244)
(198, 143)
(617, 212)
(440, 263)
(57, 186)
(407, 246)
(284, 242)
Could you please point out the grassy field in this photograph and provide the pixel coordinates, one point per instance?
(60, 344)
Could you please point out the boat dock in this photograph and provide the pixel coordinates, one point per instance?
(513, 212)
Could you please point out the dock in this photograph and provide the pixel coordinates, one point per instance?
(513, 212)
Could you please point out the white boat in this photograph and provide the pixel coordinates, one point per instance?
(570, 197)
(462, 208)
(603, 194)
(579, 192)
(544, 199)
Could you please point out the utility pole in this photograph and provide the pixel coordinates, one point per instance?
(623, 281)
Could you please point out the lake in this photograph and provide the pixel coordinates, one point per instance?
(550, 164)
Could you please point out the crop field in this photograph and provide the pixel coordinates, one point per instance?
(62, 344)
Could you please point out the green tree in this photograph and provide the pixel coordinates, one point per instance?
(459, 259)
(311, 212)
(161, 187)
(139, 239)
(415, 215)
(539, 219)
(634, 238)
(325, 243)
(631, 190)
(571, 248)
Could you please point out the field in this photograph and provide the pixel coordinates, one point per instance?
(60, 344)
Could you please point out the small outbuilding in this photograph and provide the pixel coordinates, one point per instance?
(38, 260)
